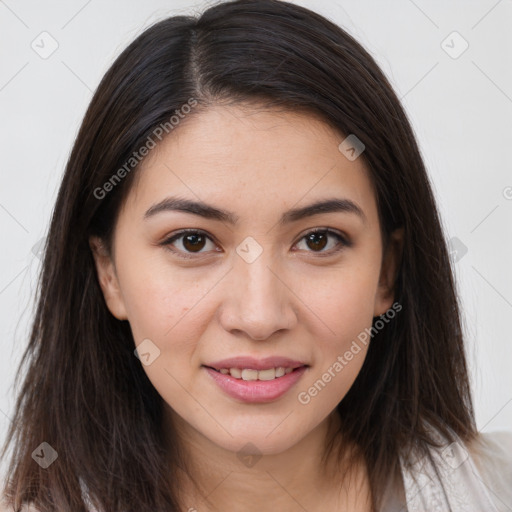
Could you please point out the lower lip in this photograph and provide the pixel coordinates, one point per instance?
(256, 391)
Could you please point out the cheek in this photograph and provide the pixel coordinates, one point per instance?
(344, 306)
(165, 309)
(157, 297)
(345, 303)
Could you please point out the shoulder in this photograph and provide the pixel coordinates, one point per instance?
(492, 455)
(461, 475)
(4, 507)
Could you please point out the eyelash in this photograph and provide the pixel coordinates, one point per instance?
(344, 242)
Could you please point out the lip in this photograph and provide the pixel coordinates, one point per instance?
(256, 391)
(256, 364)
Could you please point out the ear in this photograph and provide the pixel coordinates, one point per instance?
(388, 274)
(107, 278)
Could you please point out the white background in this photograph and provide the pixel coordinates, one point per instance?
(461, 109)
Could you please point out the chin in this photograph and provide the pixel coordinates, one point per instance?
(261, 441)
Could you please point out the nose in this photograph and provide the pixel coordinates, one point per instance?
(257, 300)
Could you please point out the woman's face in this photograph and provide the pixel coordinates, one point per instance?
(251, 283)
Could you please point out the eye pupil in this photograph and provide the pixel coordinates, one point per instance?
(318, 244)
(193, 240)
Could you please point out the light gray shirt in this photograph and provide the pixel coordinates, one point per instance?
(456, 478)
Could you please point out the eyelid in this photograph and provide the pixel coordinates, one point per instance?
(330, 231)
(343, 239)
(182, 232)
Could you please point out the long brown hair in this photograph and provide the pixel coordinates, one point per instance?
(84, 392)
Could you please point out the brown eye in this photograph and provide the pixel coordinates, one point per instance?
(316, 241)
(193, 242)
(188, 242)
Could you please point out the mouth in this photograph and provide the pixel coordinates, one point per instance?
(250, 385)
(251, 374)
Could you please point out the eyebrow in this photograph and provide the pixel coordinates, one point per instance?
(210, 212)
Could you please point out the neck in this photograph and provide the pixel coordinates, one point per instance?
(217, 479)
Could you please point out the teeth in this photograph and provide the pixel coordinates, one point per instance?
(269, 374)
(235, 372)
(279, 371)
(250, 374)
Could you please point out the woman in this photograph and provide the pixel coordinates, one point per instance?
(246, 300)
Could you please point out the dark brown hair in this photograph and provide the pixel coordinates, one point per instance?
(84, 391)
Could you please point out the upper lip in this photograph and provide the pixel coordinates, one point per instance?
(256, 364)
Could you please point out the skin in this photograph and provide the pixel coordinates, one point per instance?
(290, 301)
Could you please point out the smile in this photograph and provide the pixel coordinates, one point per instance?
(256, 386)
(251, 374)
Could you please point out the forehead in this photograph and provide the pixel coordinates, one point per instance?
(255, 158)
